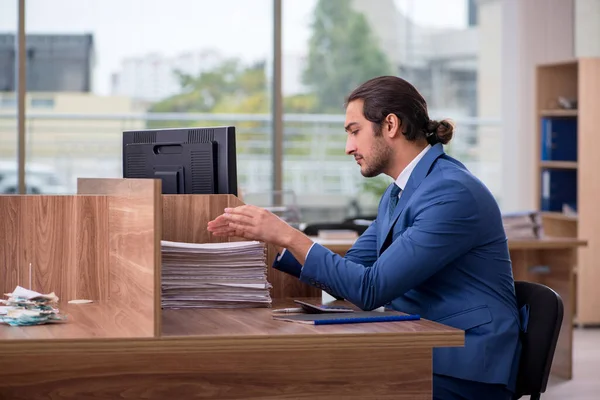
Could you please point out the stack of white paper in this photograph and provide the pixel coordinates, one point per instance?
(214, 275)
(522, 225)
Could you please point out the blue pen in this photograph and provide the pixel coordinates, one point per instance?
(383, 318)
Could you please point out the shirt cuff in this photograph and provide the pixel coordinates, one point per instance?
(308, 252)
(280, 255)
(284, 250)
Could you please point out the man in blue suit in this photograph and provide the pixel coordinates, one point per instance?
(437, 248)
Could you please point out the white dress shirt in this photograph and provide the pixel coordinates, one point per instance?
(401, 182)
(402, 179)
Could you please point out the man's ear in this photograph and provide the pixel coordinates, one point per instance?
(392, 126)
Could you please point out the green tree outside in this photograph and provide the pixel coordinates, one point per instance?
(343, 53)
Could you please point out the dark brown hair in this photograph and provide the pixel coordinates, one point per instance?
(387, 95)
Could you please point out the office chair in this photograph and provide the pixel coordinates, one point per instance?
(539, 340)
(314, 228)
(361, 218)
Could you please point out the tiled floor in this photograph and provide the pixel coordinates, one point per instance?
(585, 384)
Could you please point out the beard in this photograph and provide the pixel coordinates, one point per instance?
(378, 161)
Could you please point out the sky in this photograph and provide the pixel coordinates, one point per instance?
(243, 28)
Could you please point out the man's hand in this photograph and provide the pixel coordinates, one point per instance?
(254, 223)
(220, 227)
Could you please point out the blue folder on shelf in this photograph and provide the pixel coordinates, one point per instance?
(348, 318)
(559, 139)
(559, 187)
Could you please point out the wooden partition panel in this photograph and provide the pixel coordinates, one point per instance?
(12, 259)
(185, 216)
(66, 241)
(55, 244)
(134, 226)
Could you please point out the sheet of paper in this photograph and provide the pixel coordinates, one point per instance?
(24, 293)
(5, 309)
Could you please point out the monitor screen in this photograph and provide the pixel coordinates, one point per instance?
(187, 160)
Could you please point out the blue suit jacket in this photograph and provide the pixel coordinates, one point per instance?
(443, 255)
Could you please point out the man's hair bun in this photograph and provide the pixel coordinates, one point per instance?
(439, 131)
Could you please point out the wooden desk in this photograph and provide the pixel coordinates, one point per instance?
(549, 261)
(220, 354)
(557, 224)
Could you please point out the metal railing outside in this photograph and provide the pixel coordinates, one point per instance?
(315, 166)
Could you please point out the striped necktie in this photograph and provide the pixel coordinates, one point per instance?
(393, 200)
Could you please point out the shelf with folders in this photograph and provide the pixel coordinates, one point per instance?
(566, 163)
(558, 162)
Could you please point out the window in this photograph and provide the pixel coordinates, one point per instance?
(148, 64)
(144, 64)
(331, 46)
(8, 102)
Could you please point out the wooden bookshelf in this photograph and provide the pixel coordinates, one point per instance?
(558, 113)
(559, 164)
(566, 165)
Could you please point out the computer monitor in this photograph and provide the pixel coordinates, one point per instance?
(187, 160)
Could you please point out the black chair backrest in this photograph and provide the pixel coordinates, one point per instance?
(361, 217)
(313, 229)
(539, 341)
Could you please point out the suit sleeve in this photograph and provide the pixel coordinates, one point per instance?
(443, 229)
(288, 264)
(364, 251)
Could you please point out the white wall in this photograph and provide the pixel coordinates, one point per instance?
(533, 32)
(587, 28)
(489, 91)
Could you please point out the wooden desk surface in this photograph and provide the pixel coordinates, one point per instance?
(257, 322)
(546, 243)
(221, 353)
(108, 321)
(98, 320)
